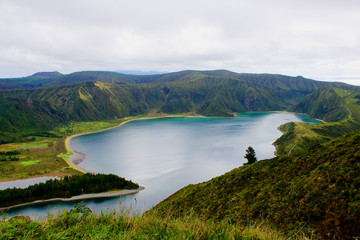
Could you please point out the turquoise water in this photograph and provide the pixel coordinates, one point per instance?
(166, 154)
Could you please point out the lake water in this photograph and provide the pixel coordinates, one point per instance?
(166, 154)
(23, 183)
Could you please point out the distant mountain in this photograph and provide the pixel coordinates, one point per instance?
(282, 84)
(94, 95)
(136, 72)
(34, 81)
(46, 75)
(6, 85)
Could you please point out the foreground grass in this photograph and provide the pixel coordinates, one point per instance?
(81, 223)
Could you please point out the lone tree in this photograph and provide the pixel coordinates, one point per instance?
(250, 155)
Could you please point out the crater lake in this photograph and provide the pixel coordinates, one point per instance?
(166, 154)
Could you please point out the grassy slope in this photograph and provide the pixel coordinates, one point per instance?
(340, 107)
(80, 223)
(317, 189)
(197, 93)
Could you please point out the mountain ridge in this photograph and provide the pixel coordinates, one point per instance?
(95, 96)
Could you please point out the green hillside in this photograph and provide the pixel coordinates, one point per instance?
(341, 108)
(196, 93)
(20, 118)
(316, 189)
(98, 96)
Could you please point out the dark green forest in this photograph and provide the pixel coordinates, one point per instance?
(65, 188)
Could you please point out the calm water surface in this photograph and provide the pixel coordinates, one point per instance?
(23, 183)
(164, 155)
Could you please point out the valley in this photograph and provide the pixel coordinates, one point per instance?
(316, 165)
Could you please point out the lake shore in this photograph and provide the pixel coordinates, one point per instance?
(78, 197)
(76, 157)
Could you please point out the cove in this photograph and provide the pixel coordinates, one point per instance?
(166, 154)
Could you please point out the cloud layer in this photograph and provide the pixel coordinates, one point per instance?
(318, 39)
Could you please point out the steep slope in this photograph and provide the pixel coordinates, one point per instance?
(289, 89)
(197, 93)
(89, 101)
(20, 118)
(315, 189)
(327, 104)
(340, 107)
(214, 96)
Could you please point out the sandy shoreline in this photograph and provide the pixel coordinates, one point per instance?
(79, 197)
(77, 157)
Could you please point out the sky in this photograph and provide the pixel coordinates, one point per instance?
(316, 39)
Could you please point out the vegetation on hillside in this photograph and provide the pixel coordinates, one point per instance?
(316, 189)
(81, 223)
(65, 188)
(34, 158)
(103, 96)
(341, 108)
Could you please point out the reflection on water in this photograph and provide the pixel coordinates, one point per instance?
(164, 155)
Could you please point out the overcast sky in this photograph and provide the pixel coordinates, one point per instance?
(318, 39)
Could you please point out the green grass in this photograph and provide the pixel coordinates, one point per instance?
(35, 159)
(36, 144)
(81, 223)
(28, 163)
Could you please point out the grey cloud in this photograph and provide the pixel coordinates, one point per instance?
(309, 38)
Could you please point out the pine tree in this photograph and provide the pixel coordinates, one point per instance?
(250, 155)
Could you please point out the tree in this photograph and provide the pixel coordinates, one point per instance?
(250, 155)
